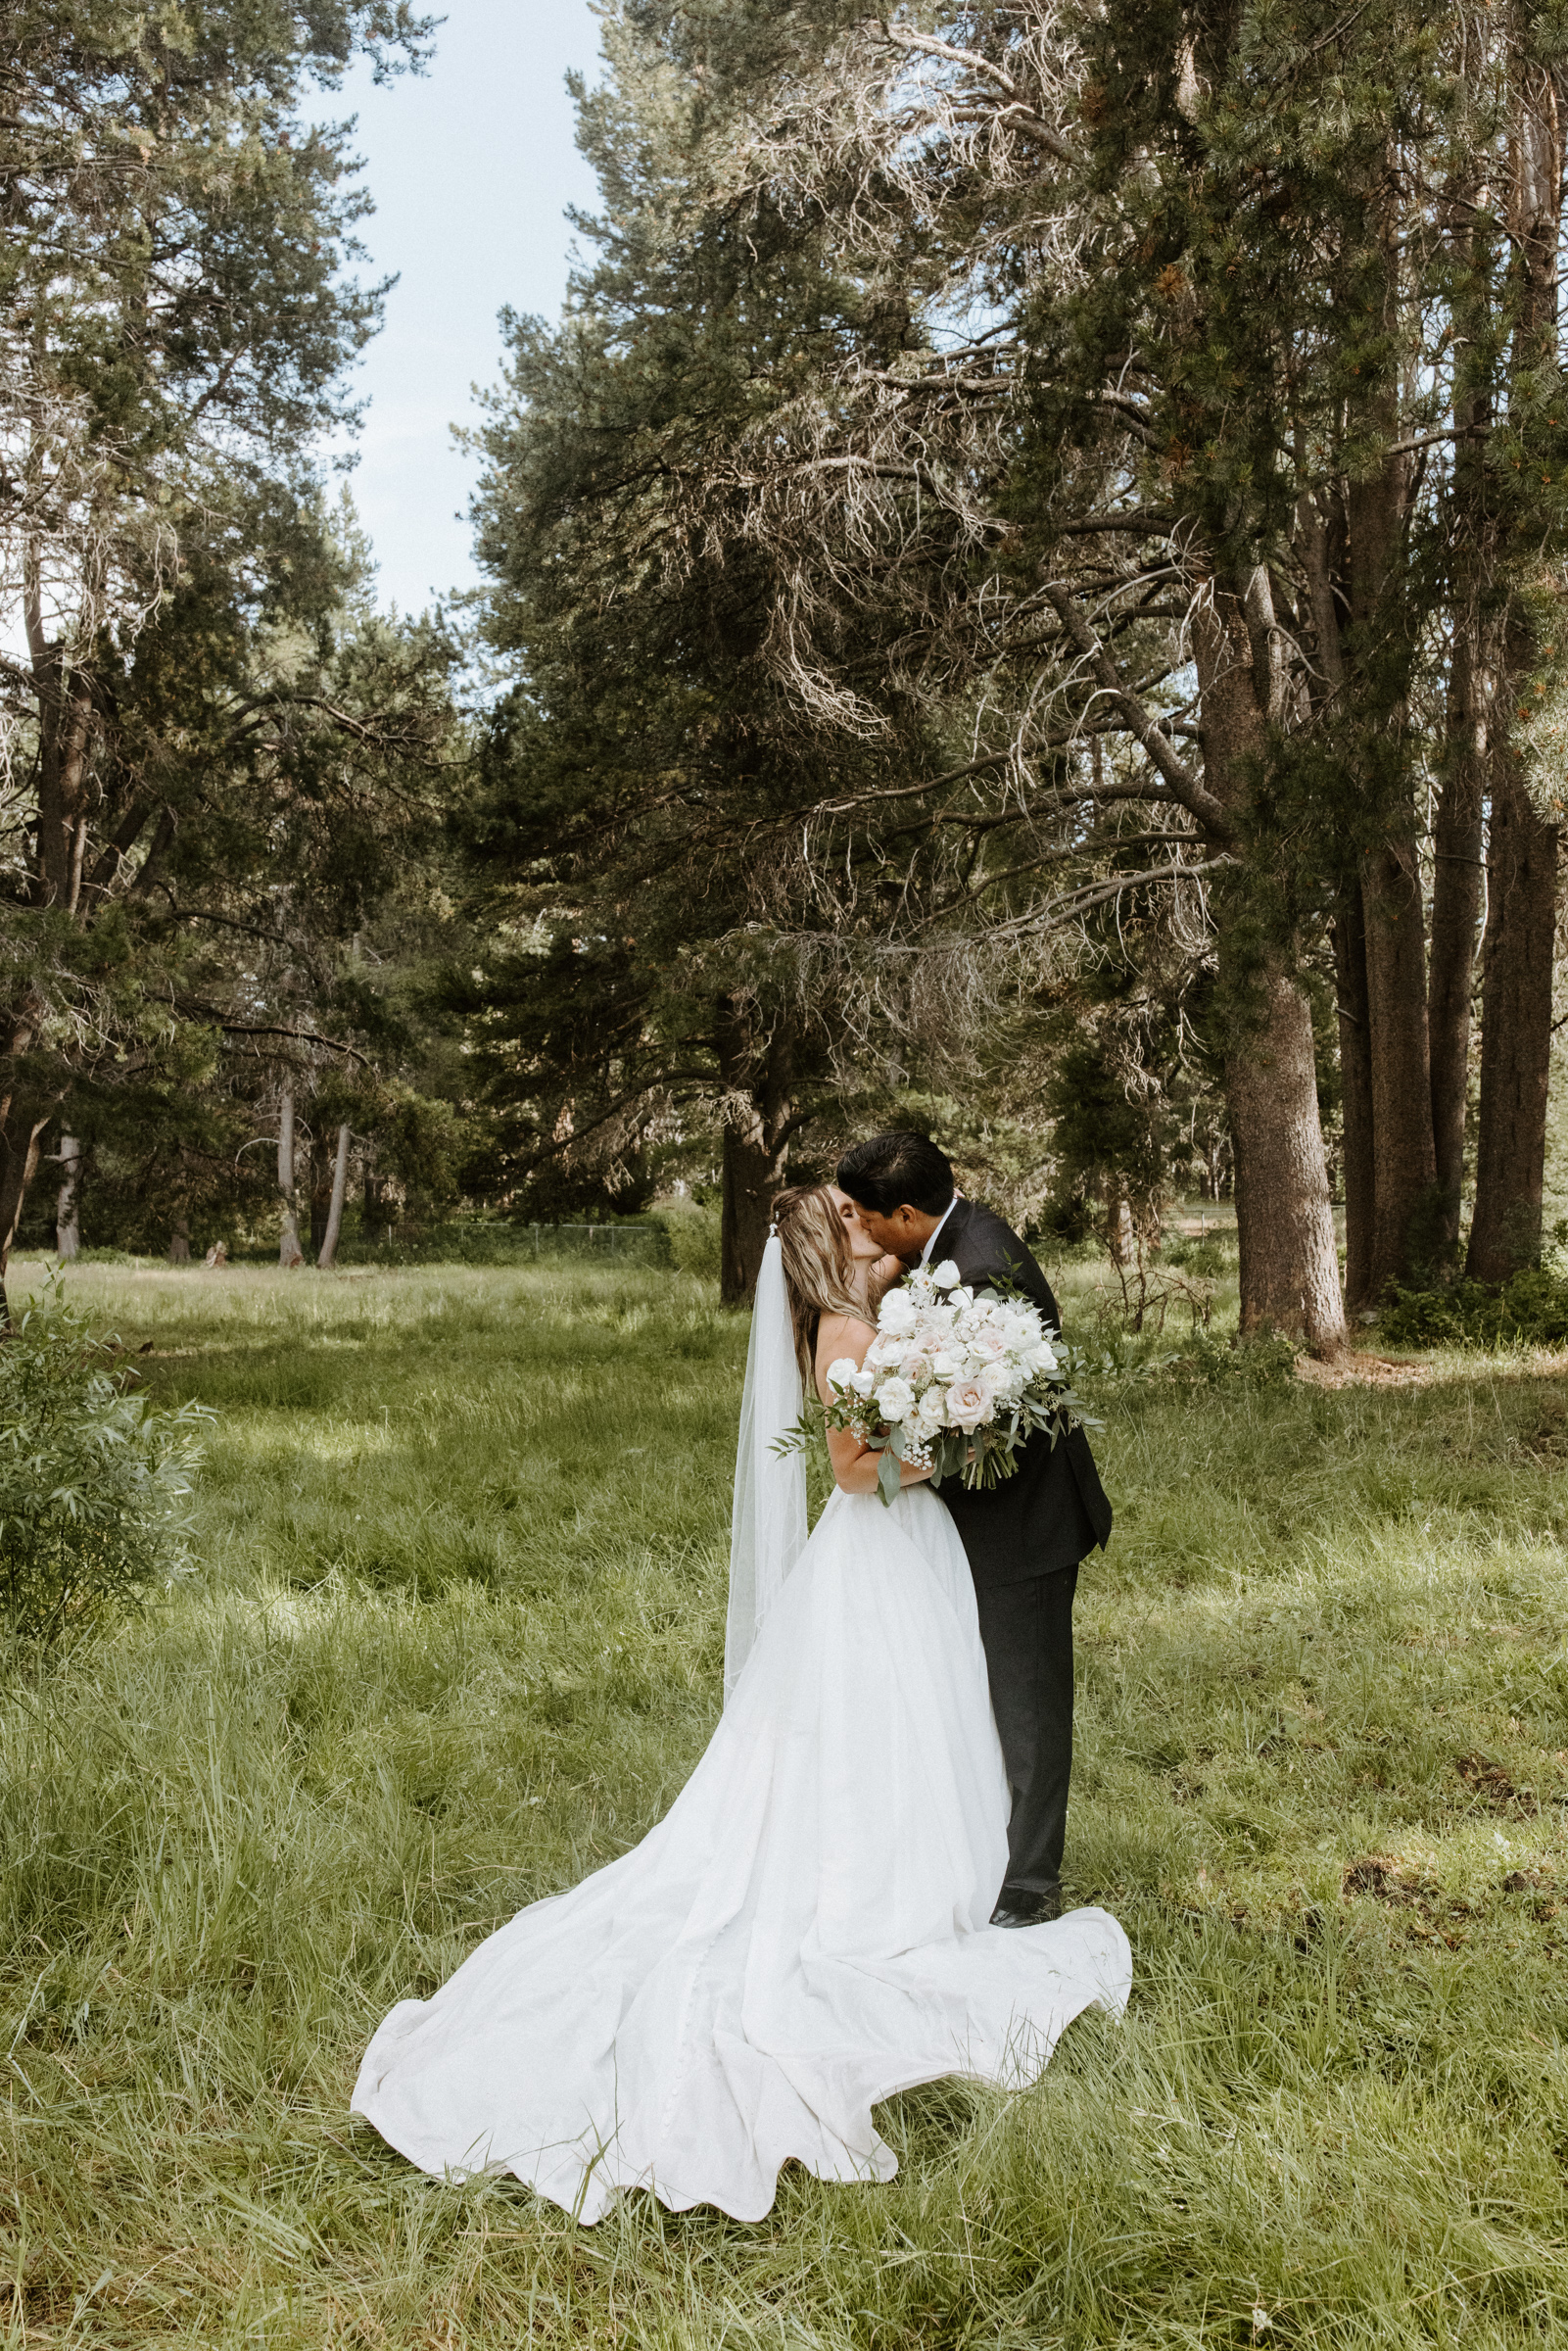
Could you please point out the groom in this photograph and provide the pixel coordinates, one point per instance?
(1025, 1538)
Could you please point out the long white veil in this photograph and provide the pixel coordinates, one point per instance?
(768, 1522)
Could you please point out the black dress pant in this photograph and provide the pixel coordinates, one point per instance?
(1028, 1632)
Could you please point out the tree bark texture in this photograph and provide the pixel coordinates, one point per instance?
(1515, 1031)
(67, 1229)
(1284, 1220)
(1458, 841)
(179, 1243)
(757, 1067)
(289, 1251)
(1355, 1080)
(1400, 1069)
(22, 1128)
(1356, 560)
(1522, 849)
(340, 1178)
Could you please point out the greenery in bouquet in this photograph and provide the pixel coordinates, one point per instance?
(955, 1380)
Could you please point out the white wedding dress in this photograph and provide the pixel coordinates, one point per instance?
(804, 1934)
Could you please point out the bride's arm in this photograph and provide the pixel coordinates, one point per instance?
(854, 1464)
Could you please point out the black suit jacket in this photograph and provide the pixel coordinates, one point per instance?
(1053, 1510)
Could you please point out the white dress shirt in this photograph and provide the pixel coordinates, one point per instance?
(935, 1232)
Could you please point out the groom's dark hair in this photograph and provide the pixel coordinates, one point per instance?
(897, 1171)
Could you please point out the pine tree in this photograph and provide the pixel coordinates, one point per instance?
(175, 325)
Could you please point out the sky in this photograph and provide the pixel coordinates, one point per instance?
(471, 166)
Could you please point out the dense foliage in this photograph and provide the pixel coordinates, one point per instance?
(94, 1481)
(216, 760)
(1022, 596)
(1006, 479)
(1529, 1310)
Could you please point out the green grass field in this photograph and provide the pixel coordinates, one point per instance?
(456, 1639)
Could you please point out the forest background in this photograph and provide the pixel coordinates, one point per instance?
(1020, 596)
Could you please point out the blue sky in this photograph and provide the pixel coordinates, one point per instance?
(471, 166)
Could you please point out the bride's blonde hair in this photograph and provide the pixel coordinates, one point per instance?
(819, 1267)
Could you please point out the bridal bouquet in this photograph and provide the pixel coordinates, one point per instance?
(953, 1380)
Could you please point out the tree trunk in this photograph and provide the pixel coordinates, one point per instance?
(1459, 831)
(320, 1167)
(340, 1177)
(1456, 848)
(1355, 1079)
(1515, 1030)
(289, 1251)
(1400, 1068)
(1522, 850)
(179, 1246)
(1284, 1222)
(375, 1224)
(67, 1232)
(22, 1128)
(750, 1176)
(759, 1119)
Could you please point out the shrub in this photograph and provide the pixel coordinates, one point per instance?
(1208, 1257)
(692, 1234)
(1531, 1309)
(94, 1483)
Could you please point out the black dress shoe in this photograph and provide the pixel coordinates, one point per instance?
(1019, 1906)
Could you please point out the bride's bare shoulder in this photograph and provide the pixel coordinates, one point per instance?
(838, 1335)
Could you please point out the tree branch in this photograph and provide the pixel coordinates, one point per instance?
(1017, 110)
(1141, 724)
(304, 1037)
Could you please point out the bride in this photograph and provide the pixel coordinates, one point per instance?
(806, 1931)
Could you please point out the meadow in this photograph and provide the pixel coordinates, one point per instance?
(455, 1637)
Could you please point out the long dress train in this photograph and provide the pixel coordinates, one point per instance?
(804, 1933)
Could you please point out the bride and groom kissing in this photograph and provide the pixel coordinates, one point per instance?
(859, 1887)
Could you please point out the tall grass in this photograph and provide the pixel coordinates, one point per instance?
(458, 1640)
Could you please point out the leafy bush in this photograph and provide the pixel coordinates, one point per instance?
(1207, 1257)
(1530, 1309)
(94, 1483)
(691, 1233)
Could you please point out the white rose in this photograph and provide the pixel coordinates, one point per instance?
(898, 1317)
(862, 1381)
(933, 1409)
(841, 1374)
(894, 1398)
(946, 1275)
(947, 1366)
(969, 1403)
